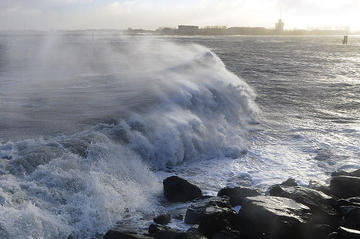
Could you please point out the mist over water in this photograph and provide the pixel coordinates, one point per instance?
(88, 120)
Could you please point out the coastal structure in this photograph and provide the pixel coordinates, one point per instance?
(188, 29)
(279, 26)
(223, 30)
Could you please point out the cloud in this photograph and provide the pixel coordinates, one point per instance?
(120, 14)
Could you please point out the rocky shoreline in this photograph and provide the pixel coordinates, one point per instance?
(285, 211)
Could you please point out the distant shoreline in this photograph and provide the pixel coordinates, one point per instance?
(154, 33)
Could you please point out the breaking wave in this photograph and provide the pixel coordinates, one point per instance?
(130, 108)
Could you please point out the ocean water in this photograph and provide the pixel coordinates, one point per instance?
(91, 123)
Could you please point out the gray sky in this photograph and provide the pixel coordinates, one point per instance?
(150, 14)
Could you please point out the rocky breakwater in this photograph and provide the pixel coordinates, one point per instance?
(285, 211)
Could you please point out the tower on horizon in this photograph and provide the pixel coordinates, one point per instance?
(279, 26)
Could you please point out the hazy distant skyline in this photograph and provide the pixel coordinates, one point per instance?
(151, 14)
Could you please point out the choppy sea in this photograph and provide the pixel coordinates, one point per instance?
(92, 122)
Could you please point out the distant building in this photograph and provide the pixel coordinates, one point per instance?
(279, 26)
(213, 30)
(188, 30)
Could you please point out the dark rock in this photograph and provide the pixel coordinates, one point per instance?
(352, 218)
(354, 201)
(164, 232)
(191, 235)
(237, 194)
(179, 190)
(290, 182)
(118, 234)
(163, 219)
(227, 235)
(272, 217)
(319, 187)
(216, 219)
(196, 209)
(333, 235)
(321, 205)
(317, 231)
(344, 210)
(347, 233)
(345, 186)
(355, 173)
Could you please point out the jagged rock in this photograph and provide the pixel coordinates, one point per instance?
(227, 235)
(290, 182)
(321, 205)
(354, 201)
(344, 210)
(216, 219)
(352, 218)
(272, 217)
(317, 231)
(346, 233)
(345, 186)
(319, 187)
(163, 219)
(164, 232)
(355, 173)
(333, 235)
(118, 234)
(177, 189)
(237, 194)
(196, 209)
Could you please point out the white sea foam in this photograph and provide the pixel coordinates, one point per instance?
(148, 104)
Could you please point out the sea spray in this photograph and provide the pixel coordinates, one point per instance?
(105, 114)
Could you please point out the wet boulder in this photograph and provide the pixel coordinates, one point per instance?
(322, 206)
(119, 234)
(177, 189)
(345, 186)
(272, 217)
(165, 232)
(346, 233)
(163, 219)
(197, 208)
(319, 187)
(317, 231)
(355, 173)
(290, 182)
(216, 219)
(352, 218)
(233, 234)
(237, 194)
(354, 201)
